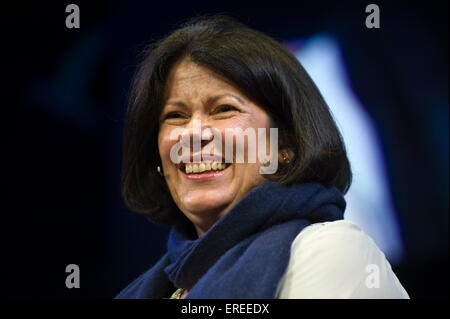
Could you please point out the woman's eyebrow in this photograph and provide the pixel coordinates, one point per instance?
(209, 101)
(176, 103)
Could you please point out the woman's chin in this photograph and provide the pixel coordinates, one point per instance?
(202, 205)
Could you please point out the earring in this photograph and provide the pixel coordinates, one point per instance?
(159, 171)
(285, 158)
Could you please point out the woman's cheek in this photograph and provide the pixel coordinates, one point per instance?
(164, 145)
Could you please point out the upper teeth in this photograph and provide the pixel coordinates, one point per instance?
(202, 167)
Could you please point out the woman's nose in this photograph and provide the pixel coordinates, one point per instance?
(206, 137)
(200, 131)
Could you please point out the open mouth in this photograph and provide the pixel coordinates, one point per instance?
(202, 167)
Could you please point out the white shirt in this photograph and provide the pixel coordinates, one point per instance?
(338, 260)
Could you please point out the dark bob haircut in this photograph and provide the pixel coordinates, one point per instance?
(266, 73)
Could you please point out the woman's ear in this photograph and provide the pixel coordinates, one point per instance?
(286, 151)
(285, 155)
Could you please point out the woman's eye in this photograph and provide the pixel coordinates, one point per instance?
(173, 115)
(226, 108)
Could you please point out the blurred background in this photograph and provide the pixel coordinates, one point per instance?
(65, 93)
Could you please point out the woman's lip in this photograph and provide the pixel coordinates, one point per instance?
(205, 175)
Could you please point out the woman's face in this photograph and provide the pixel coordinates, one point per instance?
(193, 93)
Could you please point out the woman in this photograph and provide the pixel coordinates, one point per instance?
(238, 231)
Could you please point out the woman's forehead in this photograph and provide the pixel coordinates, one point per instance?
(190, 80)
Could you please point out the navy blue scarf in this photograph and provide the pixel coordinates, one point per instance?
(245, 254)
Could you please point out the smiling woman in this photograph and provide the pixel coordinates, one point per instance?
(204, 197)
(238, 233)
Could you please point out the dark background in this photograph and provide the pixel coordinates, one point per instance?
(64, 93)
